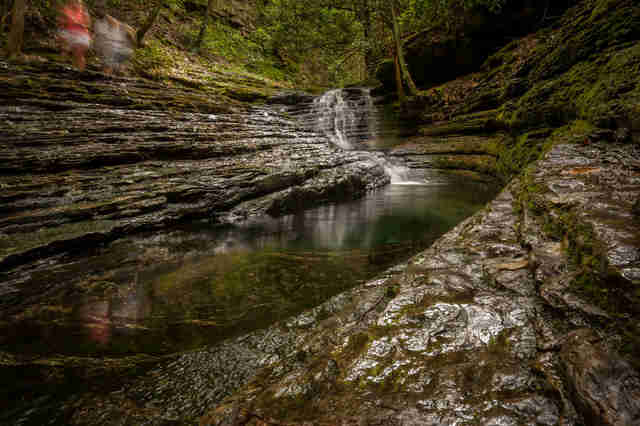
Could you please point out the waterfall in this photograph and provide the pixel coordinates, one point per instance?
(350, 119)
(344, 116)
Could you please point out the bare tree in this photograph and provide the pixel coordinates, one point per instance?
(16, 34)
(398, 74)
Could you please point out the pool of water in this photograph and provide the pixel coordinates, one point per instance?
(198, 284)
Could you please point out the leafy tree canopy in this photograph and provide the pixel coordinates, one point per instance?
(347, 37)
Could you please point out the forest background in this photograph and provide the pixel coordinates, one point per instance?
(309, 44)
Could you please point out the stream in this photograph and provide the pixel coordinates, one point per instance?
(199, 284)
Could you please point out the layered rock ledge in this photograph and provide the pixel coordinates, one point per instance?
(86, 158)
(505, 320)
(491, 325)
(526, 313)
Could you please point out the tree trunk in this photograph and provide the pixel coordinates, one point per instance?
(399, 86)
(364, 16)
(205, 24)
(16, 34)
(406, 76)
(148, 23)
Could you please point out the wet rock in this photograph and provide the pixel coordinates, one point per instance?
(605, 387)
(525, 313)
(586, 197)
(291, 99)
(184, 386)
(445, 335)
(31, 382)
(126, 155)
(482, 325)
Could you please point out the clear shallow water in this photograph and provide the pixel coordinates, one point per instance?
(196, 285)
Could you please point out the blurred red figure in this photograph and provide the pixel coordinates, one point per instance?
(73, 22)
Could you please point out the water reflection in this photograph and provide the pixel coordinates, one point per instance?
(195, 285)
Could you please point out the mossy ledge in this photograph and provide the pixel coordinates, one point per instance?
(578, 76)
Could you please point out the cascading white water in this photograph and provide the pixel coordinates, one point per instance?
(399, 174)
(349, 118)
(344, 119)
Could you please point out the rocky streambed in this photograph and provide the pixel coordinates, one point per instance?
(504, 320)
(77, 173)
(76, 168)
(87, 159)
(525, 313)
(491, 325)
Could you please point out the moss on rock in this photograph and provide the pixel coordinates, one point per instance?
(588, 69)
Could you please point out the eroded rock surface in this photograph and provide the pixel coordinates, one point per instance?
(470, 331)
(85, 160)
(490, 325)
(526, 313)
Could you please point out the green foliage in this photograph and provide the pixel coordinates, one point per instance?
(494, 6)
(230, 44)
(340, 42)
(227, 42)
(152, 58)
(309, 38)
(324, 42)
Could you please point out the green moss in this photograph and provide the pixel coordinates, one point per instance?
(519, 152)
(529, 195)
(391, 291)
(586, 253)
(500, 344)
(599, 92)
(587, 68)
(248, 94)
(516, 154)
(615, 94)
(153, 59)
(485, 164)
(593, 280)
(553, 229)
